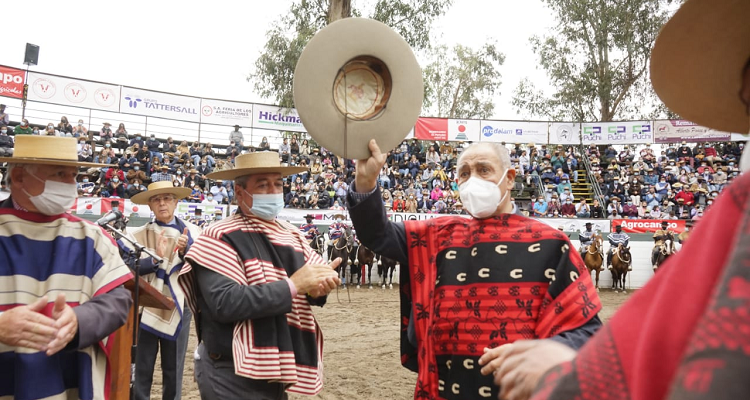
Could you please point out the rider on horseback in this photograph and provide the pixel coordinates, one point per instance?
(309, 229)
(586, 237)
(615, 239)
(335, 230)
(660, 241)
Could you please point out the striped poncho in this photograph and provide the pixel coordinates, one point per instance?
(250, 251)
(45, 256)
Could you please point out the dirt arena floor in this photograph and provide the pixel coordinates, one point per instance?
(361, 351)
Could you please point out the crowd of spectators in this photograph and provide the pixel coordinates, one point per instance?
(419, 176)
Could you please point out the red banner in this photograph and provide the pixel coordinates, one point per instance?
(647, 225)
(11, 82)
(431, 129)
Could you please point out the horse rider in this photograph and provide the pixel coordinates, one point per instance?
(586, 237)
(309, 229)
(616, 238)
(660, 240)
(197, 219)
(335, 230)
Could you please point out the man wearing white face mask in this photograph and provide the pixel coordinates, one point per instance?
(471, 284)
(60, 277)
(251, 282)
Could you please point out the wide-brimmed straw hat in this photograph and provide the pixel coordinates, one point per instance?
(47, 150)
(158, 188)
(698, 60)
(255, 163)
(357, 79)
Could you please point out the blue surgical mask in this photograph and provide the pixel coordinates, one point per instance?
(266, 206)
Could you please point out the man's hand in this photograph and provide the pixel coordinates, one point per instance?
(368, 169)
(66, 323)
(162, 243)
(518, 366)
(182, 241)
(316, 278)
(25, 326)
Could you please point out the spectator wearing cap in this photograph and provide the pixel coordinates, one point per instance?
(162, 175)
(685, 153)
(23, 128)
(138, 139)
(136, 172)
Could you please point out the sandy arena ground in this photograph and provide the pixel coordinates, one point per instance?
(361, 352)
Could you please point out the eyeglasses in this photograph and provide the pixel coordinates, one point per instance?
(159, 199)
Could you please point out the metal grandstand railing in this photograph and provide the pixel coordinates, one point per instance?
(590, 176)
(538, 184)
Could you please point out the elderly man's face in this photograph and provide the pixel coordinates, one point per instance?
(270, 183)
(482, 162)
(34, 187)
(163, 206)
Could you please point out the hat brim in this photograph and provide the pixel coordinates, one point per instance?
(697, 62)
(48, 161)
(143, 197)
(315, 77)
(231, 174)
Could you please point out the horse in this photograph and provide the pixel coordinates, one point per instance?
(621, 261)
(342, 247)
(318, 243)
(661, 252)
(365, 259)
(593, 257)
(386, 266)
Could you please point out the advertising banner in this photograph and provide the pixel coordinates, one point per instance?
(617, 133)
(674, 131)
(272, 117)
(577, 225)
(462, 130)
(158, 104)
(431, 129)
(11, 82)
(513, 131)
(648, 225)
(73, 92)
(565, 133)
(187, 210)
(226, 113)
(88, 206)
(140, 210)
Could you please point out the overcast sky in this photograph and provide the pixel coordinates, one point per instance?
(207, 49)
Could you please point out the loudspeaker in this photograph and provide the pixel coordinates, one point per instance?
(32, 54)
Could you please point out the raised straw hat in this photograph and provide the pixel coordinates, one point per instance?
(158, 188)
(263, 162)
(48, 150)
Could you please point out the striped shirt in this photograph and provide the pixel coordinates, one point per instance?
(618, 238)
(286, 348)
(46, 256)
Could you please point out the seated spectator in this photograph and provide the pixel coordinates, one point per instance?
(614, 207)
(24, 128)
(115, 188)
(596, 210)
(411, 205)
(85, 186)
(162, 175)
(582, 209)
(136, 186)
(80, 130)
(655, 213)
(85, 150)
(566, 195)
(539, 207)
(137, 140)
(136, 173)
(564, 184)
(630, 210)
(65, 127)
(120, 135)
(6, 142)
(568, 210)
(113, 172)
(219, 192)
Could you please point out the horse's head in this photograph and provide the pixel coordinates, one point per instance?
(625, 253)
(348, 235)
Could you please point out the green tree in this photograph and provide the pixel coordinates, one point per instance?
(596, 60)
(460, 84)
(274, 68)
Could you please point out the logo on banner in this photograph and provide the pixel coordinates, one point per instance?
(133, 101)
(461, 131)
(44, 88)
(564, 133)
(12, 82)
(278, 118)
(488, 131)
(206, 111)
(75, 93)
(104, 97)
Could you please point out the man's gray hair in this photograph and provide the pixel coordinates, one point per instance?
(11, 167)
(499, 149)
(241, 181)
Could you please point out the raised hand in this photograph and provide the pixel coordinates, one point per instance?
(368, 169)
(182, 241)
(162, 244)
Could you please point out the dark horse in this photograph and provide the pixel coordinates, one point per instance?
(621, 261)
(342, 247)
(593, 257)
(365, 259)
(318, 243)
(386, 266)
(661, 252)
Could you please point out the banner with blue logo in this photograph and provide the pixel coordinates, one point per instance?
(624, 132)
(159, 104)
(280, 119)
(513, 131)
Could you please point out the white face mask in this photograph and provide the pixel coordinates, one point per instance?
(266, 206)
(56, 198)
(480, 197)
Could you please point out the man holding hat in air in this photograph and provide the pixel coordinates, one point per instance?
(60, 278)
(251, 281)
(163, 331)
(700, 68)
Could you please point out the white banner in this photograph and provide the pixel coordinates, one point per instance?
(88, 206)
(514, 131)
(208, 211)
(226, 113)
(565, 133)
(272, 117)
(625, 132)
(577, 225)
(140, 210)
(464, 130)
(73, 92)
(158, 104)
